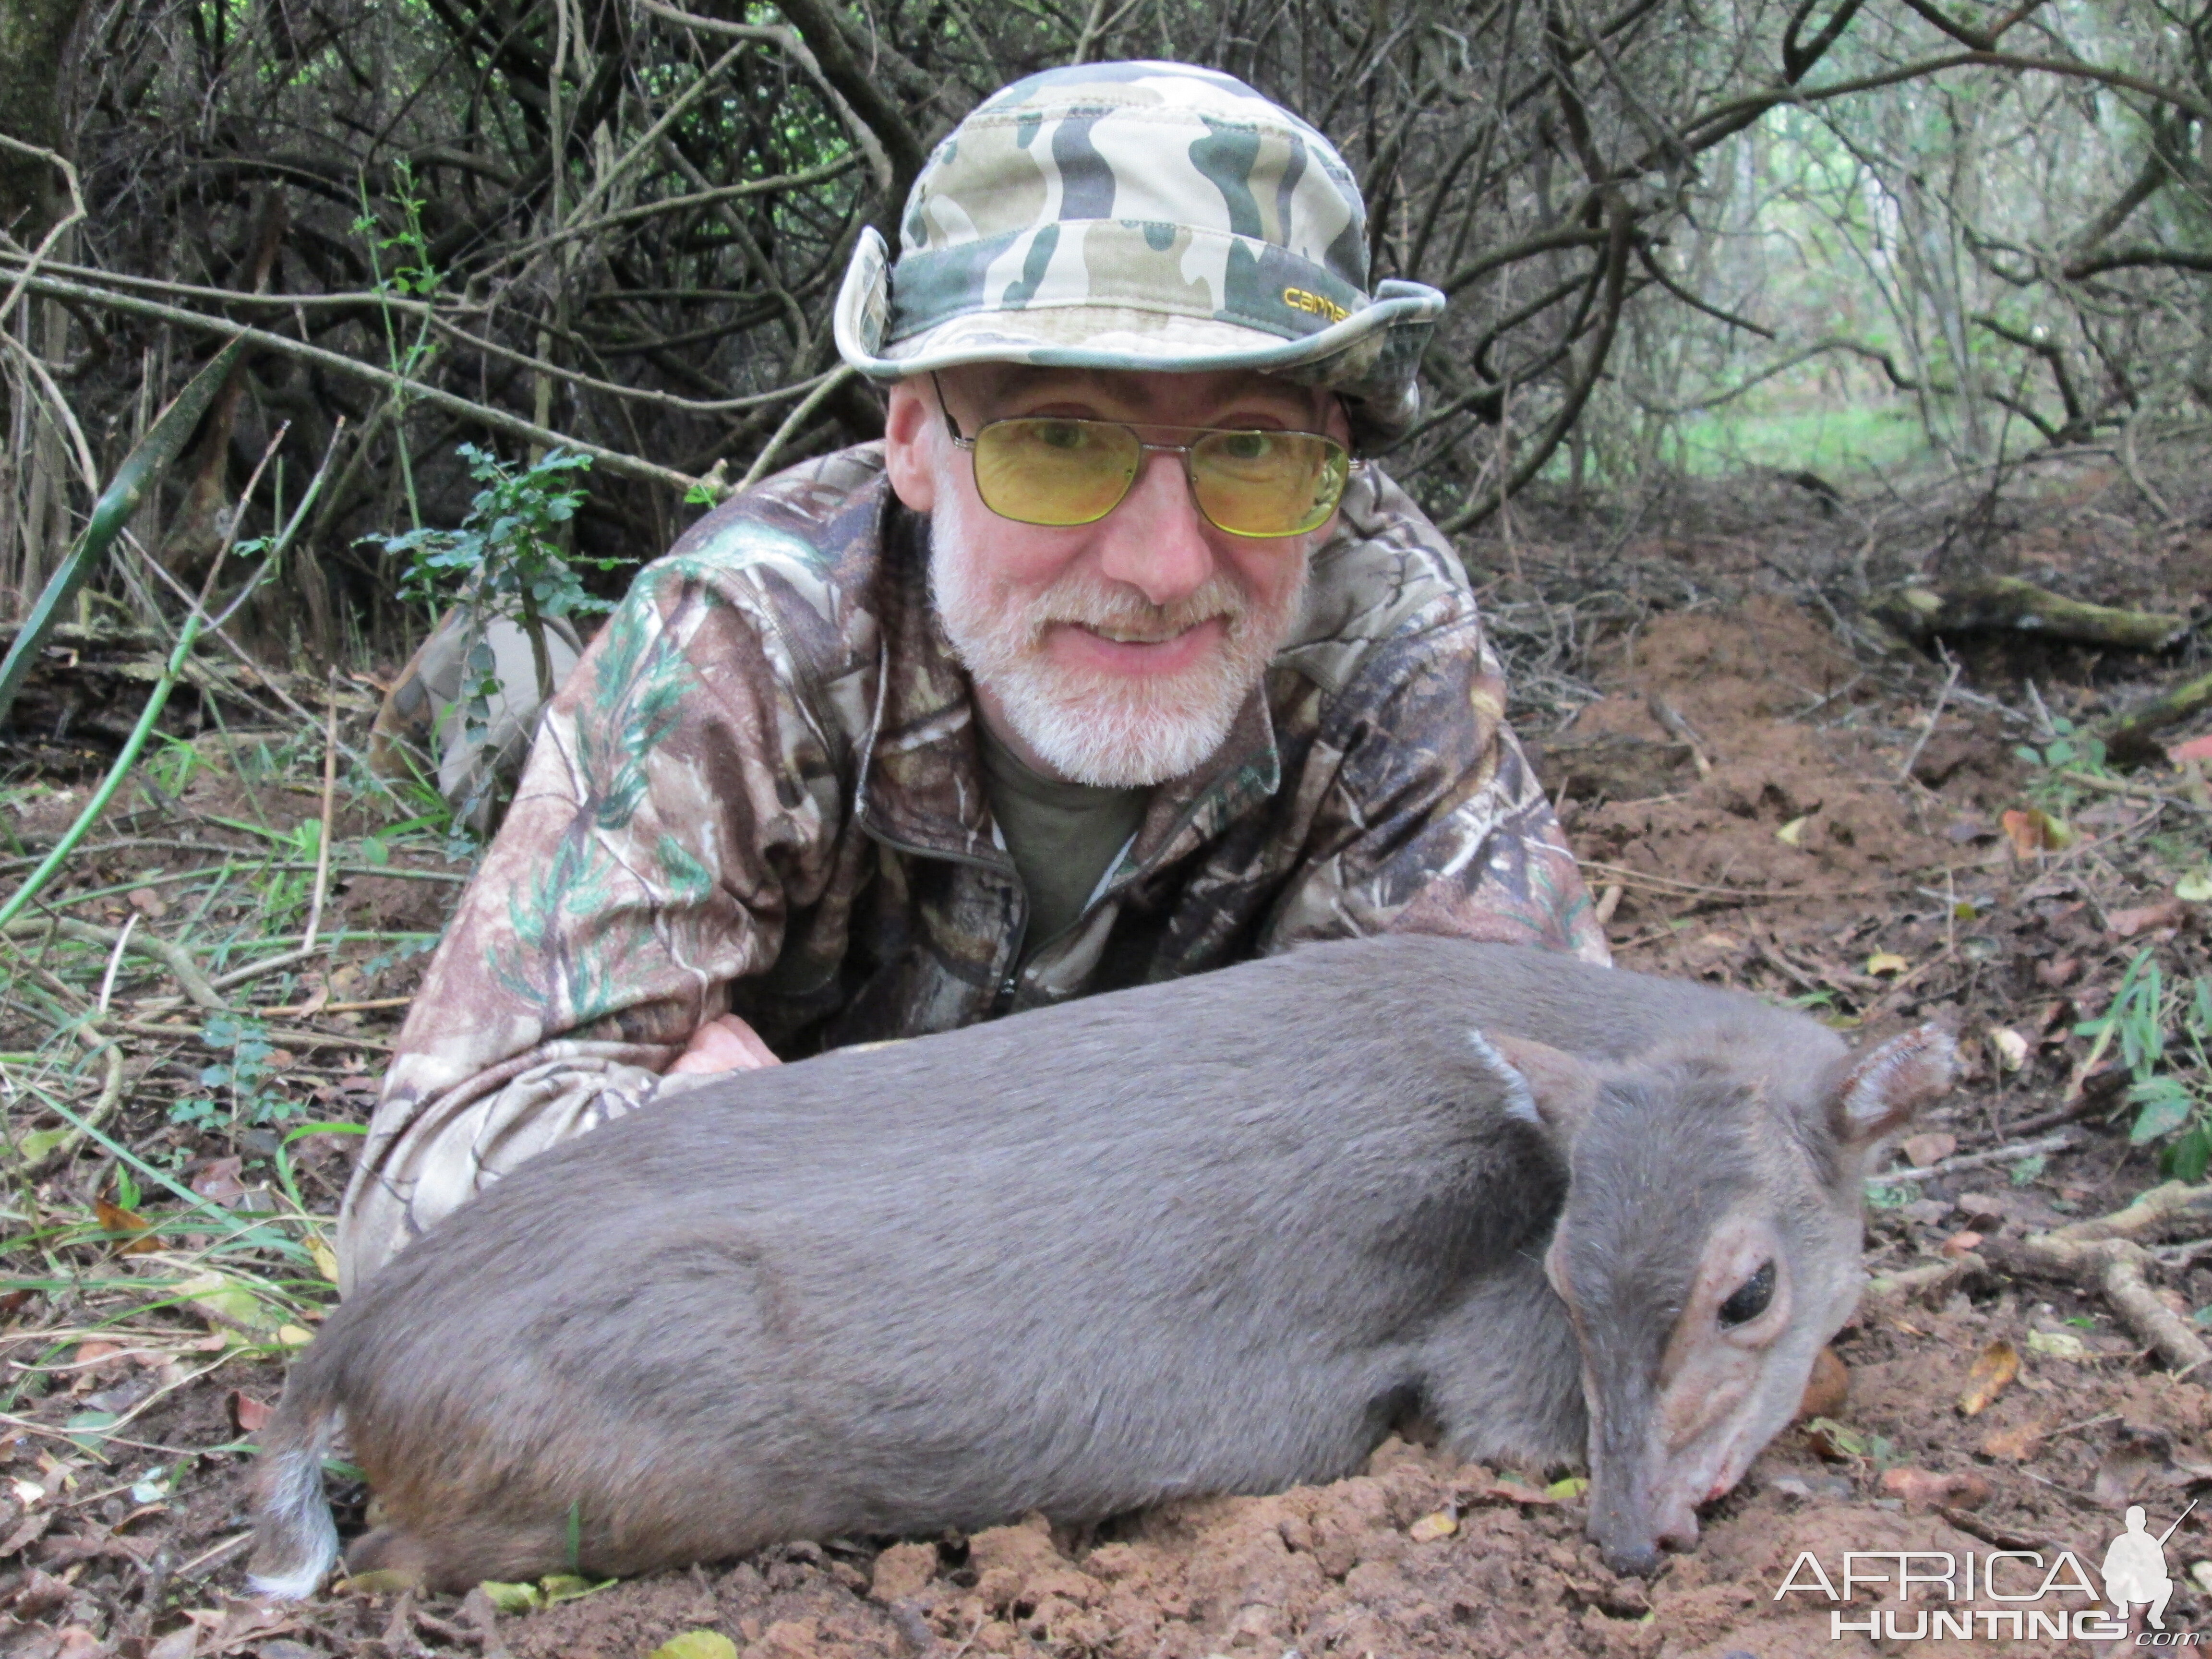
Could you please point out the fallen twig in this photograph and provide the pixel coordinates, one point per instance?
(143, 943)
(2017, 1149)
(1670, 721)
(330, 805)
(1928, 1278)
(1942, 698)
(1984, 604)
(2134, 791)
(288, 1037)
(111, 1094)
(2128, 737)
(2101, 1254)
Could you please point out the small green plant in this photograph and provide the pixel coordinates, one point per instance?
(2059, 764)
(409, 275)
(172, 765)
(2162, 1031)
(2068, 746)
(244, 1078)
(506, 560)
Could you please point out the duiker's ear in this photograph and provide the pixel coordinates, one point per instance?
(1882, 1091)
(1544, 1085)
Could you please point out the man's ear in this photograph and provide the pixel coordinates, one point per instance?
(1546, 1086)
(909, 454)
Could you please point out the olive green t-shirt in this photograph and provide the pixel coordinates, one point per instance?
(1062, 835)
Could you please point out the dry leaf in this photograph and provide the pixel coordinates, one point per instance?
(148, 902)
(2058, 1345)
(1886, 962)
(2013, 1446)
(2033, 831)
(1933, 1147)
(1514, 1493)
(247, 1413)
(1438, 1523)
(176, 1645)
(1993, 1372)
(1925, 1489)
(117, 1219)
(2166, 914)
(2009, 1047)
(1833, 1442)
(1959, 1243)
(2196, 749)
(1792, 833)
(220, 1181)
(325, 1258)
(1828, 1388)
(387, 1581)
(2129, 1467)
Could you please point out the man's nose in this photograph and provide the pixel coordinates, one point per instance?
(1155, 540)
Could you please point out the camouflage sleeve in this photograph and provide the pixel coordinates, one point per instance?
(680, 802)
(1430, 817)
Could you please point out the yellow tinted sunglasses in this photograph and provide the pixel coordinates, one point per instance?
(1058, 470)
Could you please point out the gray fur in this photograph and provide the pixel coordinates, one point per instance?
(1208, 1236)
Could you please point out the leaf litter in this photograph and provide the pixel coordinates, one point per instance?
(1980, 1403)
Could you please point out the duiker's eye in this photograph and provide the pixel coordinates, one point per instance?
(1751, 1297)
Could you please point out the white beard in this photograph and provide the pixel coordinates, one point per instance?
(1115, 731)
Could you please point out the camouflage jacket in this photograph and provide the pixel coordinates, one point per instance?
(760, 790)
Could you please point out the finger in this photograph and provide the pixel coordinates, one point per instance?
(757, 1053)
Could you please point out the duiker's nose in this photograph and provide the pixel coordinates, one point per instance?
(1638, 1560)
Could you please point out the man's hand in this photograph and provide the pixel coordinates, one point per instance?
(724, 1043)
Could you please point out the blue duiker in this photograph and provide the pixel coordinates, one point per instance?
(1210, 1235)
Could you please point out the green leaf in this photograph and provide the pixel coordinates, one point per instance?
(512, 1598)
(2164, 1105)
(570, 1587)
(697, 1644)
(37, 1146)
(86, 1428)
(2027, 1169)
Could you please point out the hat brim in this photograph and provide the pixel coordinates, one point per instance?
(1369, 357)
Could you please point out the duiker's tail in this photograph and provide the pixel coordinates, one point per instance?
(295, 1541)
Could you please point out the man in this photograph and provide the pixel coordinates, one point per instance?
(2135, 1569)
(1108, 665)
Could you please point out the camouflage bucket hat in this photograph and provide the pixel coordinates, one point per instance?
(1141, 216)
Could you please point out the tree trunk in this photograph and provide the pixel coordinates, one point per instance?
(33, 35)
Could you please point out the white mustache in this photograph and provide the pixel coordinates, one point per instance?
(1085, 604)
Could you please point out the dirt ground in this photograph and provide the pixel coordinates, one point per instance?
(1768, 794)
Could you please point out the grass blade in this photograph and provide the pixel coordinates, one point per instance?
(141, 470)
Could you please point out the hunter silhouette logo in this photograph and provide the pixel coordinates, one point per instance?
(2135, 1566)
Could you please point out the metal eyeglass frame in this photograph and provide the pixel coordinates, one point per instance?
(960, 440)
